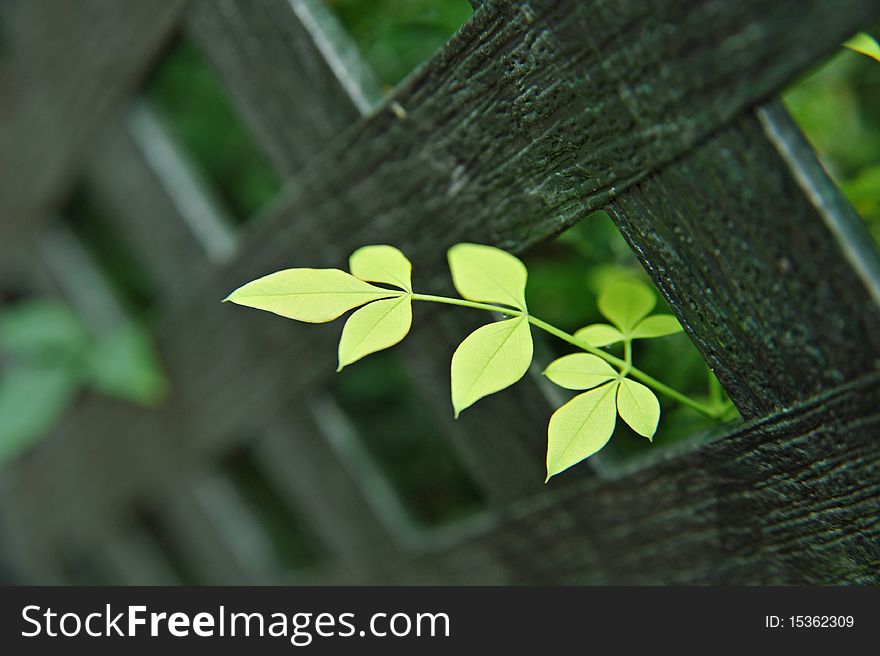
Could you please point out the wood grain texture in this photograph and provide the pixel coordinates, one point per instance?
(790, 499)
(68, 66)
(756, 265)
(158, 203)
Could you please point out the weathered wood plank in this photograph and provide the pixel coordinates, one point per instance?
(214, 533)
(158, 202)
(296, 108)
(790, 499)
(323, 490)
(748, 251)
(131, 558)
(66, 69)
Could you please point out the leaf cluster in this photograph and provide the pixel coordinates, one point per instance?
(378, 287)
(47, 355)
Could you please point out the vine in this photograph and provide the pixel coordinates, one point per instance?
(497, 354)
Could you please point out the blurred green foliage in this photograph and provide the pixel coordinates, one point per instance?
(191, 99)
(837, 105)
(47, 355)
(395, 36)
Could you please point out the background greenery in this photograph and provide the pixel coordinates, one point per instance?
(837, 105)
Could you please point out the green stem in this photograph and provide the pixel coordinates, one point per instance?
(716, 395)
(624, 366)
(463, 303)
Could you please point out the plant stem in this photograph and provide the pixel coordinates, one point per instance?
(716, 394)
(463, 303)
(624, 366)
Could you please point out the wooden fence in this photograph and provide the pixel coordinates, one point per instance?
(534, 114)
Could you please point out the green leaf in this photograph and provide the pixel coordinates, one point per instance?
(580, 428)
(488, 275)
(638, 406)
(658, 325)
(383, 264)
(625, 303)
(580, 371)
(124, 365)
(32, 399)
(312, 295)
(377, 326)
(600, 334)
(489, 359)
(865, 44)
(42, 329)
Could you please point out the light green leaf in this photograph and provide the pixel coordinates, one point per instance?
(658, 325)
(312, 295)
(638, 406)
(600, 334)
(865, 44)
(377, 326)
(383, 264)
(489, 359)
(580, 428)
(625, 303)
(580, 371)
(488, 275)
(125, 365)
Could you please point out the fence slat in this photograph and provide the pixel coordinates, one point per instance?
(71, 65)
(133, 559)
(245, 42)
(214, 534)
(295, 460)
(790, 499)
(149, 191)
(753, 267)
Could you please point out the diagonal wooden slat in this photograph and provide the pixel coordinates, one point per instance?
(760, 263)
(68, 67)
(789, 499)
(297, 108)
(159, 204)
